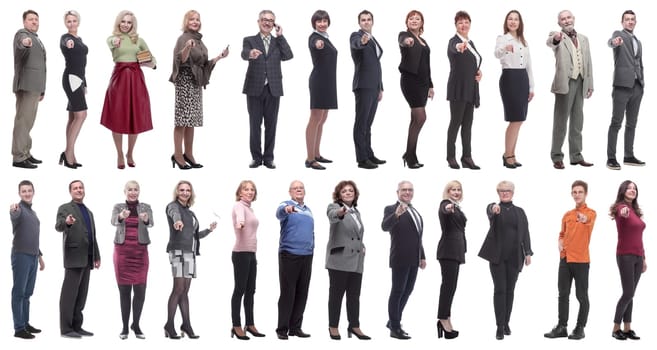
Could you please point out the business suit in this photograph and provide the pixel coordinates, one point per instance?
(29, 86)
(367, 86)
(569, 92)
(450, 254)
(628, 91)
(79, 254)
(345, 256)
(406, 255)
(263, 87)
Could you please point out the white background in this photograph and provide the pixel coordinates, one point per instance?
(222, 146)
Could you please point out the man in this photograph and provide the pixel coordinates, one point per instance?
(29, 87)
(405, 225)
(574, 239)
(368, 88)
(628, 90)
(81, 254)
(25, 257)
(295, 260)
(573, 80)
(263, 85)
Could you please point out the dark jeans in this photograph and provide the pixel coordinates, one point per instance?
(450, 274)
(24, 268)
(505, 276)
(73, 298)
(567, 273)
(403, 282)
(245, 267)
(294, 276)
(630, 268)
(341, 283)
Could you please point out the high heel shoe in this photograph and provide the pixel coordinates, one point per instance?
(63, 161)
(190, 333)
(508, 164)
(138, 333)
(170, 332)
(334, 336)
(358, 335)
(443, 332)
(516, 163)
(234, 334)
(453, 164)
(469, 163)
(174, 162)
(253, 331)
(410, 165)
(189, 160)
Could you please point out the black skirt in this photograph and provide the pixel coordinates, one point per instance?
(514, 88)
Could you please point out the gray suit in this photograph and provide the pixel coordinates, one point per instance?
(628, 91)
(569, 94)
(345, 250)
(29, 86)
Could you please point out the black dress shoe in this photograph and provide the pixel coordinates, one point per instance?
(582, 163)
(376, 160)
(31, 329)
(298, 333)
(627, 161)
(323, 160)
(25, 164)
(34, 160)
(24, 334)
(282, 335)
(314, 164)
(399, 334)
(507, 330)
(84, 333)
(618, 334)
(558, 164)
(255, 163)
(499, 333)
(559, 331)
(367, 164)
(72, 334)
(269, 164)
(631, 335)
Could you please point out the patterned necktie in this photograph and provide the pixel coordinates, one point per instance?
(266, 40)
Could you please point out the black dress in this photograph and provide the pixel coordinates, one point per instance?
(322, 81)
(415, 70)
(73, 79)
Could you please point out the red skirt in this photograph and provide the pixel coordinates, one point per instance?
(127, 108)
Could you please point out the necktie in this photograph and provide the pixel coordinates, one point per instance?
(573, 37)
(266, 42)
(416, 218)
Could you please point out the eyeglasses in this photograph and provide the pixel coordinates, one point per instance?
(296, 188)
(504, 191)
(267, 20)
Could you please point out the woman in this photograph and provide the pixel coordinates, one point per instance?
(245, 265)
(75, 85)
(450, 254)
(132, 220)
(516, 82)
(345, 256)
(191, 72)
(322, 83)
(127, 108)
(183, 247)
(462, 90)
(416, 84)
(630, 255)
(507, 247)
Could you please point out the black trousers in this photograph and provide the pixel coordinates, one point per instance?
(294, 277)
(245, 267)
(367, 101)
(450, 274)
(341, 283)
(567, 273)
(461, 117)
(72, 299)
(505, 276)
(262, 108)
(630, 268)
(403, 282)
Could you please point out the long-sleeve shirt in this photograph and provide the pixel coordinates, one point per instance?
(297, 229)
(576, 236)
(245, 225)
(26, 227)
(630, 232)
(518, 59)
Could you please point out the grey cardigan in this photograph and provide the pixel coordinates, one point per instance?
(345, 250)
(142, 227)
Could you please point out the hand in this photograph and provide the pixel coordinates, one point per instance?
(190, 43)
(509, 48)
(461, 47)
(178, 225)
(431, 93)
(124, 214)
(149, 64)
(342, 211)
(254, 54)
(531, 96)
(213, 226)
(364, 39)
(528, 260)
(450, 207)
(224, 53)
(116, 42)
(581, 218)
(478, 76)
(589, 93)
(496, 209)
(557, 36)
(279, 30)
(401, 209)
(97, 264)
(289, 209)
(617, 41)
(70, 43)
(319, 44)
(380, 97)
(14, 207)
(409, 42)
(70, 220)
(423, 264)
(42, 264)
(645, 265)
(560, 244)
(143, 217)
(27, 42)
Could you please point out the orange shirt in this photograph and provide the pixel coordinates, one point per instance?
(575, 235)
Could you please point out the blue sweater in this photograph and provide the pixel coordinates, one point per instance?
(297, 229)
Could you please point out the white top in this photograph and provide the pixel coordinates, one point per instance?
(518, 59)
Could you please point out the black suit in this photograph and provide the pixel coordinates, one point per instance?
(80, 253)
(263, 87)
(406, 252)
(367, 85)
(451, 254)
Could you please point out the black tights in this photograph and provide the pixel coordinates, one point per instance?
(179, 299)
(125, 294)
(418, 117)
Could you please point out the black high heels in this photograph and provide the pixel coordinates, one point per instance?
(443, 332)
(174, 162)
(411, 165)
(360, 336)
(63, 161)
(508, 164)
(334, 336)
(469, 163)
(253, 331)
(189, 160)
(190, 333)
(170, 332)
(233, 333)
(451, 162)
(138, 333)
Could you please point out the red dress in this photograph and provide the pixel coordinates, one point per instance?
(131, 258)
(127, 108)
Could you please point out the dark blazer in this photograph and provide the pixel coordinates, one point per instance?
(452, 244)
(628, 66)
(367, 65)
(405, 241)
(345, 250)
(412, 55)
(266, 65)
(29, 63)
(76, 240)
(491, 249)
(142, 227)
(461, 84)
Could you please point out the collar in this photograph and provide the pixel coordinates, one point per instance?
(26, 204)
(245, 203)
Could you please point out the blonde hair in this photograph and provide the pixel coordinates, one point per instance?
(186, 18)
(72, 13)
(130, 183)
(241, 187)
(506, 185)
(449, 186)
(190, 202)
(134, 37)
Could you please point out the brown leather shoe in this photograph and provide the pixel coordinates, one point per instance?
(582, 163)
(558, 164)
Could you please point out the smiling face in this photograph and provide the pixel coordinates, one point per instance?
(297, 191)
(247, 192)
(414, 23)
(26, 192)
(463, 27)
(405, 192)
(71, 22)
(566, 21)
(76, 189)
(629, 22)
(347, 194)
(266, 23)
(505, 193)
(366, 22)
(512, 22)
(630, 192)
(31, 23)
(125, 26)
(579, 195)
(455, 193)
(131, 192)
(184, 193)
(322, 25)
(194, 22)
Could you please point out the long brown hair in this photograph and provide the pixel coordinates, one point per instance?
(521, 26)
(620, 199)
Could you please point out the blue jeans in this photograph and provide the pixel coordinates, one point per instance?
(24, 268)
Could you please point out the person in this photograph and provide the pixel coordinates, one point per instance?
(345, 257)
(405, 226)
(367, 87)
(245, 264)
(127, 107)
(81, 254)
(507, 247)
(191, 72)
(29, 86)
(628, 90)
(573, 81)
(263, 85)
(132, 219)
(516, 82)
(574, 238)
(183, 247)
(323, 86)
(462, 91)
(450, 254)
(415, 81)
(25, 258)
(630, 254)
(74, 83)
(295, 259)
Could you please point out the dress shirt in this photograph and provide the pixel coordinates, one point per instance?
(518, 59)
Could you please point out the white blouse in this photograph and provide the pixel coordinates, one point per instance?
(518, 59)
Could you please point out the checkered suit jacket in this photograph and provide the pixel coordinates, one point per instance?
(266, 65)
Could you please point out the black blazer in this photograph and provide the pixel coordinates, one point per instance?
(76, 240)
(491, 249)
(266, 65)
(452, 244)
(367, 65)
(461, 84)
(411, 55)
(405, 239)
